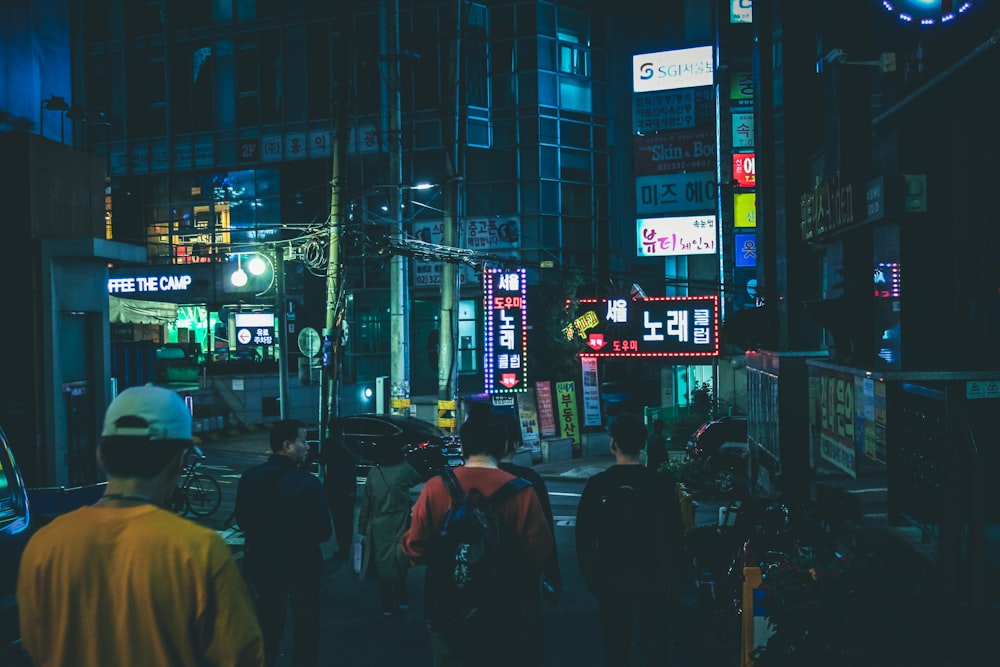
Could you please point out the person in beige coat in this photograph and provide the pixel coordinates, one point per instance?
(384, 517)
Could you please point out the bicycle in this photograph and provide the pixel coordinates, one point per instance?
(196, 493)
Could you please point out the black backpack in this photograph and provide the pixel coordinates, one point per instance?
(627, 545)
(466, 582)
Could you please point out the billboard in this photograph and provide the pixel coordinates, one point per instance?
(692, 150)
(683, 326)
(666, 70)
(506, 345)
(687, 235)
(663, 110)
(745, 246)
(745, 169)
(745, 209)
(690, 192)
(742, 130)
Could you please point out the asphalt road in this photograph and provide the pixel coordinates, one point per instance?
(355, 634)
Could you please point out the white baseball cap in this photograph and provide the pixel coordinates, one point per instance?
(150, 412)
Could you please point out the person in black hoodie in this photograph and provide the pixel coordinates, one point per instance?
(629, 541)
(284, 515)
(530, 615)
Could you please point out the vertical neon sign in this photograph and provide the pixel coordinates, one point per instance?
(506, 346)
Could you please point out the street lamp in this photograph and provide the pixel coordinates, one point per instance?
(54, 103)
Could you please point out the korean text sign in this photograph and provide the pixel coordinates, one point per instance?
(687, 235)
(653, 327)
(505, 307)
(569, 420)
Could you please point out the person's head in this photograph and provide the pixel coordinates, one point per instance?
(628, 434)
(659, 425)
(146, 432)
(288, 438)
(476, 407)
(486, 436)
(512, 434)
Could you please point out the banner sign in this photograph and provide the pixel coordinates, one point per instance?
(591, 392)
(674, 152)
(745, 210)
(745, 249)
(684, 326)
(505, 294)
(688, 235)
(663, 110)
(691, 192)
(253, 329)
(546, 413)
(665, 70)
(527, 412)
(569, 421)
(741, 88)
(745, 169)
(741, 11)
(742, 130)
(500, 237)
(834, 416)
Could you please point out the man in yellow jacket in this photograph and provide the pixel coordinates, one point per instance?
(124, 582)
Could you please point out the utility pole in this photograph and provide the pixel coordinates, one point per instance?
(447, 358)
(284, 343)
(399, 323)
(335, 301)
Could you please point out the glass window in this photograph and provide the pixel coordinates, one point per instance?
(546, 54)
(549, 162)
(573, 59)
(575, 165)
(318, 64)
(468, 357)
(476, 55)
(550, 197)
(270, 77)
(574, 94)
(547, 94)
(574, 135)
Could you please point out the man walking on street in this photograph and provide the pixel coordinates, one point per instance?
(629, 544)
(479, 632)
(284, 515)
(124, 582)
(529, 612)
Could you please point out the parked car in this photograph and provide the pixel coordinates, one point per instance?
(16, 525)
(373, 438)
(722, 445)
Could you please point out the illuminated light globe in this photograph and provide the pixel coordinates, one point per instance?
(239, 277)
(926, 12)
(256, 265)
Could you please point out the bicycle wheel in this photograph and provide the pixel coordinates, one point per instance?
(204, 495)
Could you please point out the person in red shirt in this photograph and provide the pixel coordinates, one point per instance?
(525, 536)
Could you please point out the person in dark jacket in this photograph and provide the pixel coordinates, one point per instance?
(340, 484)
(629, 541)
(284, 515)
(529, 612)
(656, 446)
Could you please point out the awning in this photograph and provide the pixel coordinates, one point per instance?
(137, 311)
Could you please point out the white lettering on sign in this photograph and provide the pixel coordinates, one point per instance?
(677, 324)
(149, 284)
(664, 70)
(617, 310)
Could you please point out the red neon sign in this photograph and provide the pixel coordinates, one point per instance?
(745, 169)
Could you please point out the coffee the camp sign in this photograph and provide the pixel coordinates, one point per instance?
(828, 207)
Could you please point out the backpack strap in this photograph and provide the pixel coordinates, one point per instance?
(499, 497)
(507, 491)
(454, 488)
